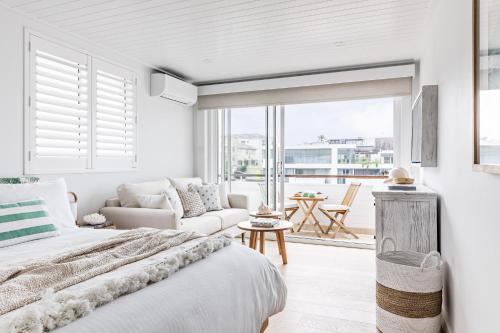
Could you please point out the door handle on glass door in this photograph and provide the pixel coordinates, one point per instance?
(280, 168)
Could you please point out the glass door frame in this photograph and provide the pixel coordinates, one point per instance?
(274, 154)
(280, 161)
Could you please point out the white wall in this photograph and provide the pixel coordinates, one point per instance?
(469, 204)
(165, 129)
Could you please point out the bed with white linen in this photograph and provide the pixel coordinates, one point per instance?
(234, 289)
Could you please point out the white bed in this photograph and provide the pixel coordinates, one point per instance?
(233, 290)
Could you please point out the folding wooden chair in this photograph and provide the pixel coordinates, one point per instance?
(290, 208)
(337, 213)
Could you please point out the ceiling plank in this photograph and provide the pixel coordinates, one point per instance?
(221, 39)
(260, 19)
(277, 30)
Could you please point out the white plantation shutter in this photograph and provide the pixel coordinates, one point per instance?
(81, 111)
(59, 108)
(115, 116)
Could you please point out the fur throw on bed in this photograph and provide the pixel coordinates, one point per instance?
(28, 283)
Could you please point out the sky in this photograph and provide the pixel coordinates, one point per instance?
(305, 122)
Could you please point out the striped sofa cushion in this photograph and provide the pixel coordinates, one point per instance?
(24, 221)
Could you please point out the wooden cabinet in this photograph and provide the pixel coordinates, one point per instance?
(407, 216)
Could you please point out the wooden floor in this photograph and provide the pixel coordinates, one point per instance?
(330, 289)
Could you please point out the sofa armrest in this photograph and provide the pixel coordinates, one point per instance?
(113, 202)
(130, 218)
(238, 200)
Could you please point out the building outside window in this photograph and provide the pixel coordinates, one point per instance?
(345, 156)
(308, 155)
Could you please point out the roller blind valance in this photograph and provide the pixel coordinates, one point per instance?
(309, 94)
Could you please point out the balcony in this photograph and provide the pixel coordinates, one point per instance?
(361, 218)
(320, 147)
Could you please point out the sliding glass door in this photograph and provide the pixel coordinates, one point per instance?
(248, 152)
(271, 152)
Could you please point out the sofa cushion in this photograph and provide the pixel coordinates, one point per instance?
(209, 194)
(203, 224)
(175, 201)
(182, 183)
(230, 217)
(127, 193)
(154, 201)
(191, 202)
(224, 200)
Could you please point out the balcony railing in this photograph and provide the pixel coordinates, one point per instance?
(237, 175)
(339, 176)
(362, 214)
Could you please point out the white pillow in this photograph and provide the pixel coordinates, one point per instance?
(127, 193)
(154, 201)
(54, 193)
(209, 194)
(183, 183)
(191, 202)
(25, 221)
(175, 201)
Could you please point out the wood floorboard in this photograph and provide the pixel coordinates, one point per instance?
(330, 289)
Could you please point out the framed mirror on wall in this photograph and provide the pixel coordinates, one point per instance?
(487, 86)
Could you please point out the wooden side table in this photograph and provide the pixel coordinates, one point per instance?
(278, 229)
(273, 215)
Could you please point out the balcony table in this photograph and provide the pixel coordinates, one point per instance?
(307, 205)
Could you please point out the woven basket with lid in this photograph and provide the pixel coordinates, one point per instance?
(409, 291)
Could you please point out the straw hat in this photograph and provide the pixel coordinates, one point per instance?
(399, 176)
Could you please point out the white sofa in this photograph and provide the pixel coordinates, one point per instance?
(209, 223)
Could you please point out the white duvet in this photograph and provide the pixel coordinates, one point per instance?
(233, 290)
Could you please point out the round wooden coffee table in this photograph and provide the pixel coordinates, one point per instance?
(273, 215)
(277, 229)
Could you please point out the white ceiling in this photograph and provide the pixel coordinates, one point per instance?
(207, 40)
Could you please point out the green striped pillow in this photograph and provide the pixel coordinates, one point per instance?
(24, 221)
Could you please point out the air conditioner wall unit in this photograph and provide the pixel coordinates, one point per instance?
(171, 88)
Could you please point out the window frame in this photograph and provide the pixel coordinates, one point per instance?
(48, 167)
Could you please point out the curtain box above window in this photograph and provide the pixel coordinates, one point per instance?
(309, 94)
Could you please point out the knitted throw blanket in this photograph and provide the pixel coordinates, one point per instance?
(28, 283)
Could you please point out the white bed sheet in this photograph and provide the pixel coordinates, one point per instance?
(233, 290)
